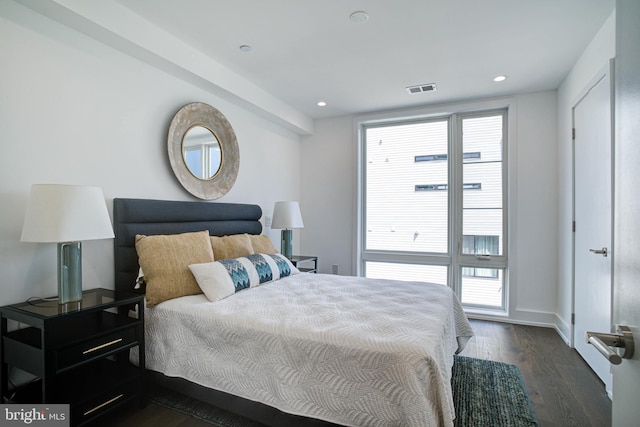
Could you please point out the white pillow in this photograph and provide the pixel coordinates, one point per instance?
(223, 278)
(139, 279)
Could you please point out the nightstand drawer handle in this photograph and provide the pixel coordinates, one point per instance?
(102, 405)
(91, 350)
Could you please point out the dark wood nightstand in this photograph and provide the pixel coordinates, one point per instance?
(78, 351)
(296, 260)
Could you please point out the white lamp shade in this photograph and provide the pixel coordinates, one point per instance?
(66, 213)
(286, 215)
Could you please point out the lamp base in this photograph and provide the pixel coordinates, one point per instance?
(286, 246)
(69, 272)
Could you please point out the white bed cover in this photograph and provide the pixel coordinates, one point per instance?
(352, 351)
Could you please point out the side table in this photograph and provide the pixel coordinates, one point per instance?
(78, 351)
(296, 260)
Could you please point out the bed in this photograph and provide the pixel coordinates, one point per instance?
(305, 349)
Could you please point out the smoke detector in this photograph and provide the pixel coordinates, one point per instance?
(359, 16)
(428, 87)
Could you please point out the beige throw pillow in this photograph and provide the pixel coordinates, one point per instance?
(262, 244)
(229, 247)
(165, 260)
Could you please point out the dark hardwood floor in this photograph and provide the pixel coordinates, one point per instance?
(562, 388)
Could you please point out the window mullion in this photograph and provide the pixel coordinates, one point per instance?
(455, 215)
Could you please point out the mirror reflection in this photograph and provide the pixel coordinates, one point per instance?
(201, 152)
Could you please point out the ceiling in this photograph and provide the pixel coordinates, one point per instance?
(304, 51)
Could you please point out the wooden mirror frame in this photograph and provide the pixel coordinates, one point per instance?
(200, 114)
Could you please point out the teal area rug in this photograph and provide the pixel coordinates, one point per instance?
(488, 393)
(485, 393)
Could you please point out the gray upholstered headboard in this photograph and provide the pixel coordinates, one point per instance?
(149, 217)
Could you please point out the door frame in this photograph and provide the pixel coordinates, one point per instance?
(626, 376)
(606, 71)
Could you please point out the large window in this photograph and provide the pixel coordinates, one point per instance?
(433, 203)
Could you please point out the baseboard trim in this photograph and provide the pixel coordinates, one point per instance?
(564, 330)
(520, 317)
(529, 318)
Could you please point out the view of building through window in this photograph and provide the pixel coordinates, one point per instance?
(433, 204)
(399, 216)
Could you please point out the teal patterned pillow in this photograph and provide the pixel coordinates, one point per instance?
(220, 279)
(285, 268)
(262, 266)
(237, 273)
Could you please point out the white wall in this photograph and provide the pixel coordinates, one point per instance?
(74, 111)
(534, 251)
(596, 55)
(329, 180)
(328, 191)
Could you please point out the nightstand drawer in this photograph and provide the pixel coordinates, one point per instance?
(107, 401)
(95, 348)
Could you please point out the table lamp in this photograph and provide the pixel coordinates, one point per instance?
(67, 214)
(286, 215)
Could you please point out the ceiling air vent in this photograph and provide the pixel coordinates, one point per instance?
(429, 87)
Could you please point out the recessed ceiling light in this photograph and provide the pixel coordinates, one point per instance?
(321, 104)
(245, 48)
(359, 16)
(500, 78)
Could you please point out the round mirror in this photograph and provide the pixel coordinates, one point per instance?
(203, 151)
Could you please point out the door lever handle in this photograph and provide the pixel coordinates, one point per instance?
(621, 341)
(602, 251)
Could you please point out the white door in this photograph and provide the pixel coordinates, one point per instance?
(626, 376)
(593, 226)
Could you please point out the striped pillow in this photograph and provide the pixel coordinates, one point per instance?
(220, 279)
